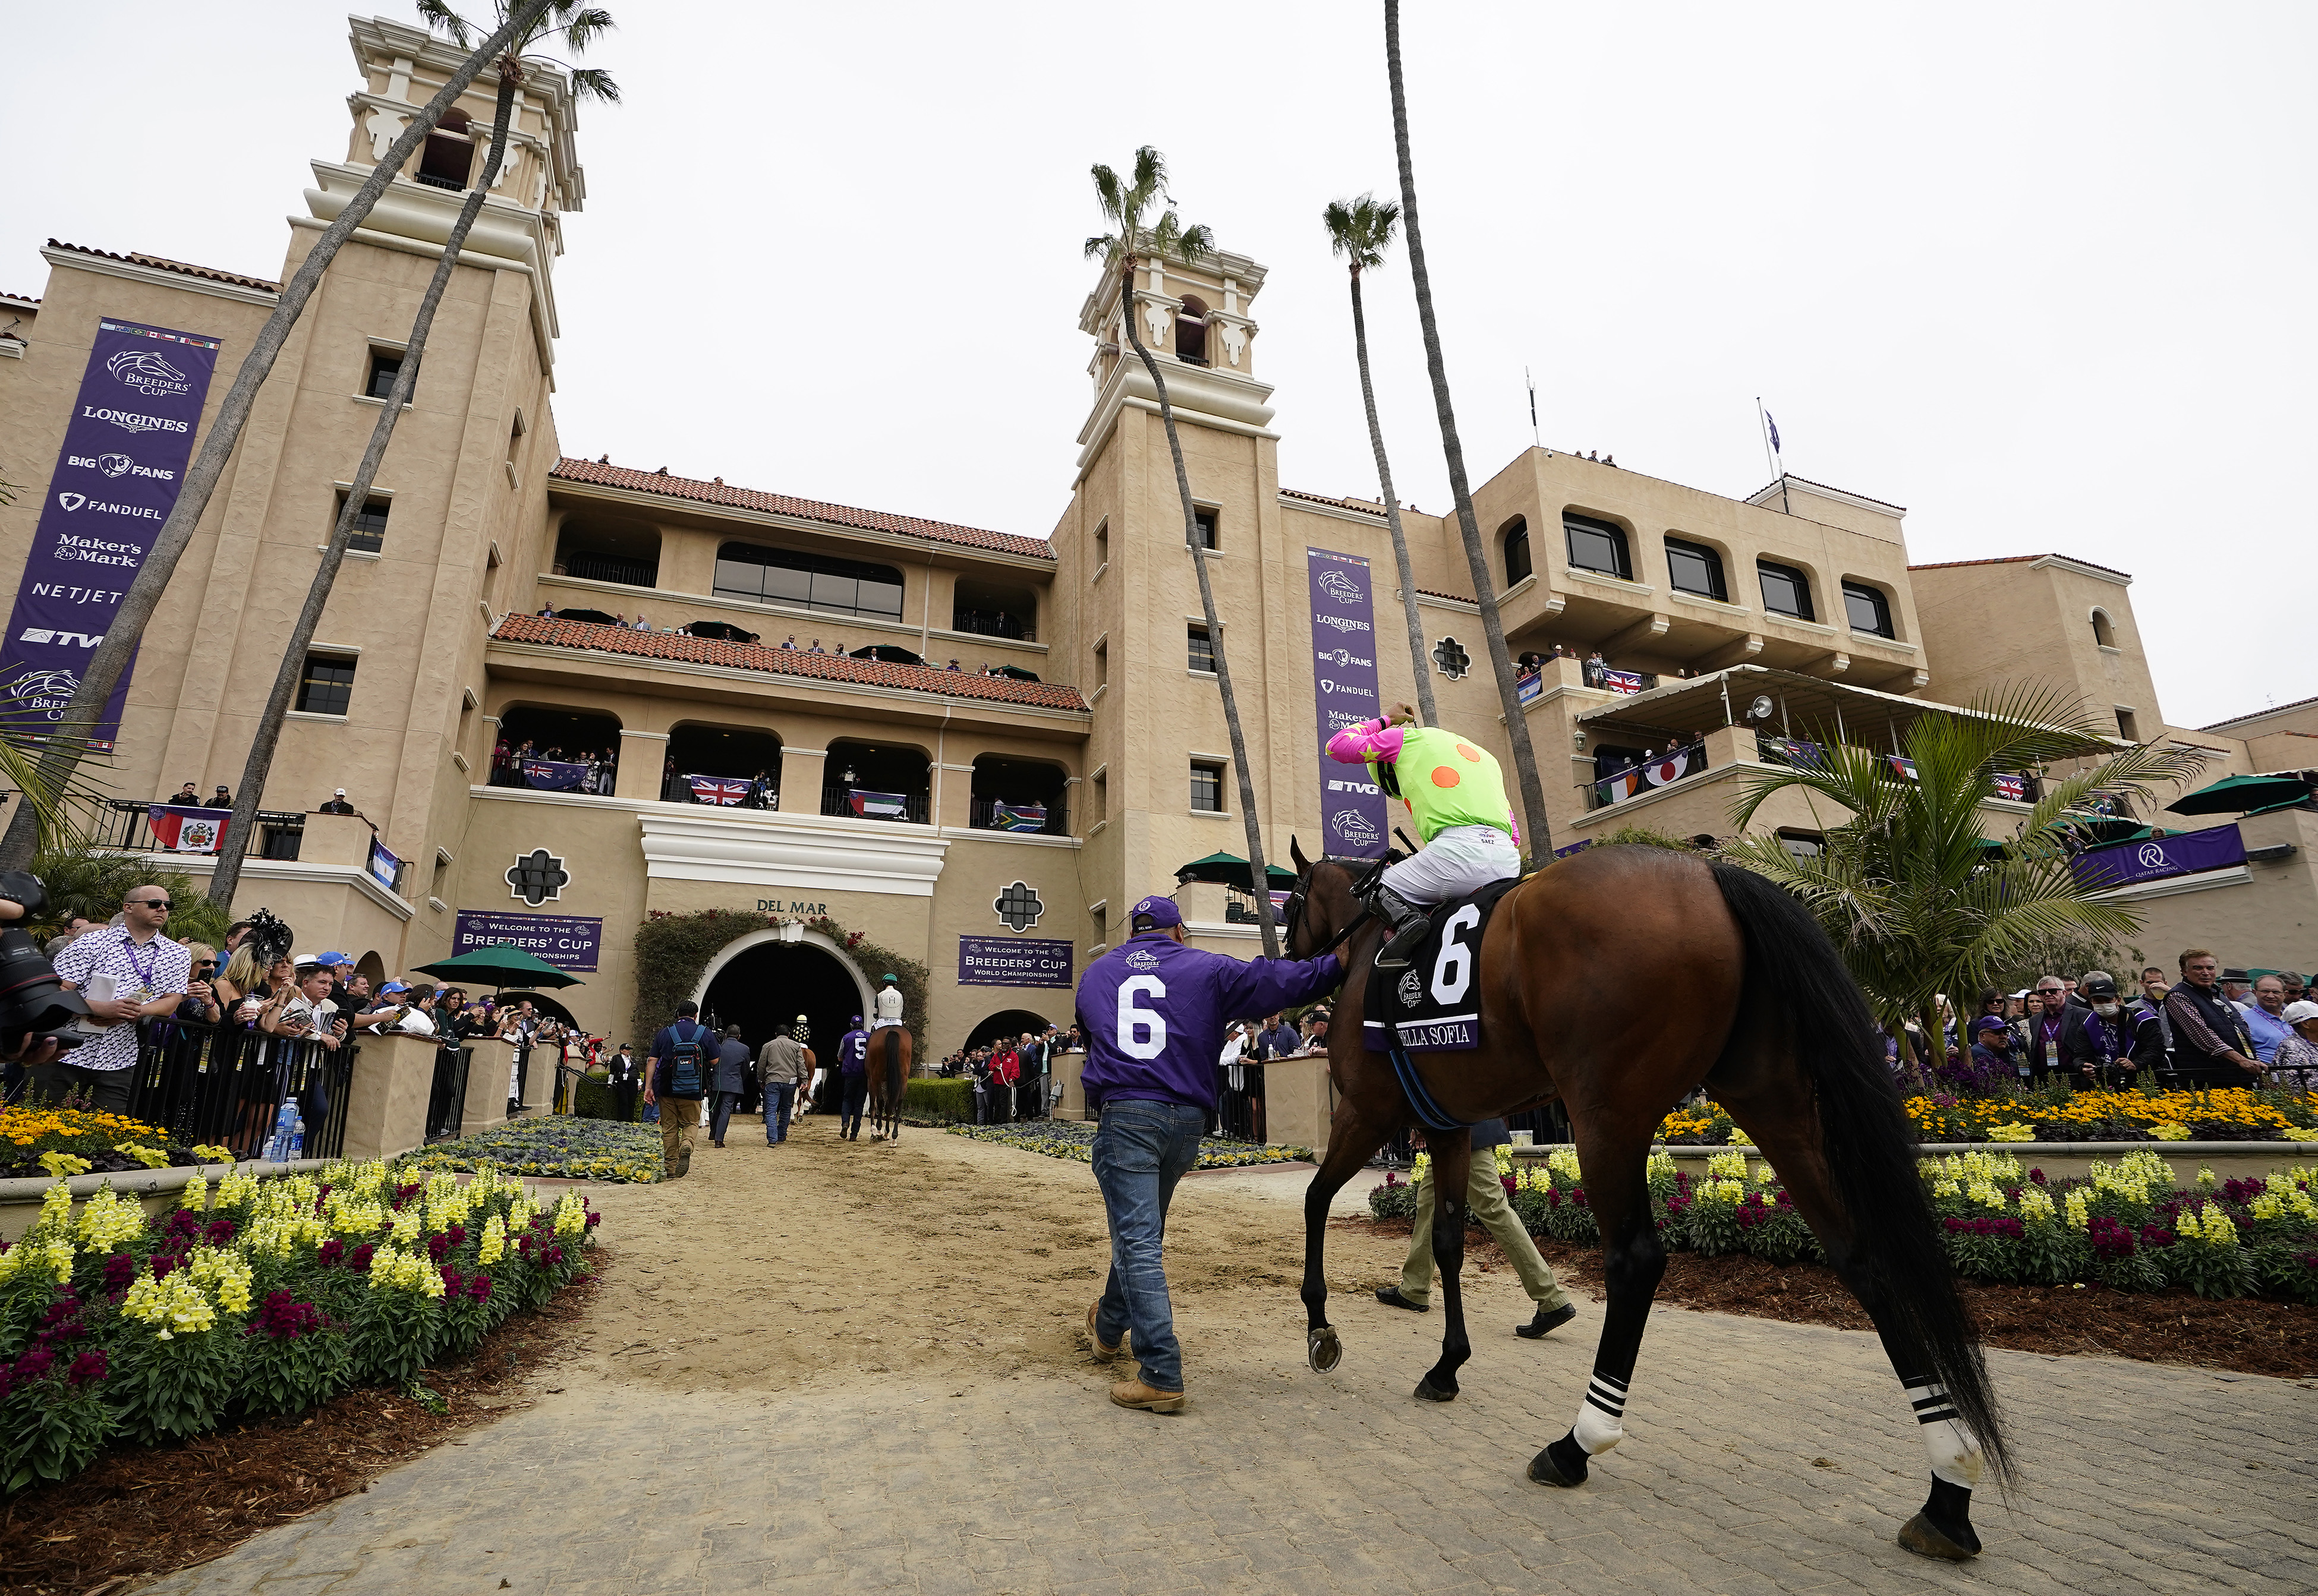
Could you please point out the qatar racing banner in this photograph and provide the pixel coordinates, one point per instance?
(1353, 822)
(567, 941)
(126, 447)
(2184, 853)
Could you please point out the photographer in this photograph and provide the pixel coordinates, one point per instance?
(130, 971)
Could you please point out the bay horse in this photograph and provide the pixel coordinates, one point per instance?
(886, 1080)
(1616, 980)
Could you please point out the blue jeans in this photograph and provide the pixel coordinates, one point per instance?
(779, 1098)
(1140, 1151)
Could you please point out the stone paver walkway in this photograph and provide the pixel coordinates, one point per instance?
(1760, 1457)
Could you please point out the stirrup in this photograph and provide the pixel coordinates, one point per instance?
(1401, 947)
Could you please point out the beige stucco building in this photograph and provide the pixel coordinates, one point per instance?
(1108, 738)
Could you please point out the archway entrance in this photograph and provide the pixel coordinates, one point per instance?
(1010, 1023)
(542, 1003)
(761, 984)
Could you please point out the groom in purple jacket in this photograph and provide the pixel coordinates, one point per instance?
(1153, 1010)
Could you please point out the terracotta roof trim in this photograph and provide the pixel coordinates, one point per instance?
(2023, 560)
(2258, 715)
(836, 670)
(163, 264)
(1360, 505)
(603, 475)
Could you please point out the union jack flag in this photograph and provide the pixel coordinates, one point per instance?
(728, 790)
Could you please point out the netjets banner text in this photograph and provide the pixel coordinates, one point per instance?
(124, 458)
(1345, 688)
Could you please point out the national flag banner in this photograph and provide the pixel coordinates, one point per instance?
(877, 806)
(1900, 766)
(1801, 755)
(555, 776)
(1673, 768)
(383, 866)
(1279, 901)
(1624, 784)
(1529, 686)
(1018, 816)
(1624, 681)
(2014, 787)
(727, 790)
(183, 829)
(1772, 425)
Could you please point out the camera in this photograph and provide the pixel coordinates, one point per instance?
(33, 1003)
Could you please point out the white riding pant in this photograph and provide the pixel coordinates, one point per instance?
(1459, 860)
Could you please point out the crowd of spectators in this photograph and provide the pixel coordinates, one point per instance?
(602, 773)
(1013, 1076)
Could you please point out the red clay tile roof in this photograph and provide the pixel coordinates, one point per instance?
(1363, 506)
(1452, 598)
(841, 669)
(748, 498)
(1831, 488)
(163, 264)
(2021, 559)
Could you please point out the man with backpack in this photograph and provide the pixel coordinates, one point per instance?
(679, 1080)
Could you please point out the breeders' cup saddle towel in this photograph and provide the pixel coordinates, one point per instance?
(1434, 1006)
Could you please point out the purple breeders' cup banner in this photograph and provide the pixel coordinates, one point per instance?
(124, 458)
(2182, 854)
(1012, 961)
(567, 941)
(1344, 689)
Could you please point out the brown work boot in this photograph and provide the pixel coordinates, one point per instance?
(1135, 1393)
(1094, 1338)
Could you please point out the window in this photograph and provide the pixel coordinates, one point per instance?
(1207, 788)
(2104, 631)
(514, 438)
(1203, 649)
(1867, 609)
(812, 581)
(1597, 546)
(327, 686)
(1101, 547)
(1204, 519)
(449, 153)
(1802, 846)
(1101, 666)
(370, 526)
(2128, 724)
(1192, 335)
(1695, 570)
(1517, 541)
(1101, 784)
(385, 366)
(1786, 591)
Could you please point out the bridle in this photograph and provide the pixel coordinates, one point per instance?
(1367, 871)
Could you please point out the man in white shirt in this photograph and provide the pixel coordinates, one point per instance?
(125, 973)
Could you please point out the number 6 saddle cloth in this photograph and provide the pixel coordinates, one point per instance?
(1434, 1006)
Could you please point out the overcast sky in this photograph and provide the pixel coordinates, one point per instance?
(2040, 273)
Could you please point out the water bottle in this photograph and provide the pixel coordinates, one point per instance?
(297, 1143)
(279, 1141)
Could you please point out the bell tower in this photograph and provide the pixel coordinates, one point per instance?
(1194, 319)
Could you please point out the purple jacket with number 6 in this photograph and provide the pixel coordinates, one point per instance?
(1153, 1010)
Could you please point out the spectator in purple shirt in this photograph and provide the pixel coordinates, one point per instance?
(1153, 1011)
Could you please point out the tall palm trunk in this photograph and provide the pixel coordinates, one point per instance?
(63, 755)
(1417, 658)
(227, 877)
(1537, 834)
(1259, 876)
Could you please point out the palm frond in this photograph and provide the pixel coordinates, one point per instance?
(1103, 244)
(438, 16)
(581, 29)
(593, 83)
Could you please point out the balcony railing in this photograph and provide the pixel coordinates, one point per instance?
(838, 799)
(1646, 775)
(120, 823)
(995, 623)
(982, 815)
(611, 567)
(453, 183)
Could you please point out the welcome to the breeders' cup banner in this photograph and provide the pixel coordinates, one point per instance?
(1345, 687)
(124, 458)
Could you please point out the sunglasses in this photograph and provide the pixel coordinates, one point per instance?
(147, 903)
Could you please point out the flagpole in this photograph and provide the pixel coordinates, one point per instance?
(1773, 455)
(1532, 384)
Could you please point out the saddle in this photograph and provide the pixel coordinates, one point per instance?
(1434, 1006)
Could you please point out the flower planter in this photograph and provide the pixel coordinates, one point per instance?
(155, 1190)
(2070, 1159)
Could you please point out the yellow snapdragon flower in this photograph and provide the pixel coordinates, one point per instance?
(1727, 1166)
(174, 1306)
(195, 1195)
(34, 1253)
(108, 1220)
(494, 1242)
(225, 1272)
(2079, 1210)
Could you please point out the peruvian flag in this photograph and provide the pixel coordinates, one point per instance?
(183, 829)
(729, 789)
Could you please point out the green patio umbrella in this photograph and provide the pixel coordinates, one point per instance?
(1230, 870)
(2237, 794)
(503, 964)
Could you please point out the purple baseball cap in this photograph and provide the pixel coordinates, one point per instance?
(1159, 912)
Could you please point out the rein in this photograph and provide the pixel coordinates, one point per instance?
(1296, 907)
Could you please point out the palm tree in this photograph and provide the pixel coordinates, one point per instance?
(1905, 884)
(1361, 231)
(1124, 205)
(1538, 834)
(576, 26)
(60, 757)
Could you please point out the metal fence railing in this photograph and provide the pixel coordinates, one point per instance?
(446, 1100)
(982, 815)
(1239, 1102)
(120, 823)
(224, 1084)
(837, 799)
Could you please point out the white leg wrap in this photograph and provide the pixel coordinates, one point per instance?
(1602, 1416)
(1955, 1455)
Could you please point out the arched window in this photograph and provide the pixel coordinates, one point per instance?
(556, 749)
(1597, 546)
(875, 782)
(449, 154)
(608, 551)
(1023, 796)
(2104, 631)
(1867, 609)
(1191, 332)
(1695, 570)
(1786, 591)
(812, 581)
(732, 767)
(1514, 535)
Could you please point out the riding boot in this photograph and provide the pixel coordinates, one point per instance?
(1407, 921)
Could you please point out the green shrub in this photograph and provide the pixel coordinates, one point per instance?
(592, 1099)
(938, 1101)
(1396, 1199)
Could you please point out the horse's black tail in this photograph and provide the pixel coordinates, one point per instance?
(1797, 984)
(893, 1071)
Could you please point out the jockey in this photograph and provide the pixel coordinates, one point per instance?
(1456, 794)
(888, 1004)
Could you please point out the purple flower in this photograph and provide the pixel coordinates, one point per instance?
(34, 1365)
(220, 1232)
(359, 1259)
(329, 1252)
(479, 1287)
(2037, 1176)
(119, 1268)
(436, 1246)
(89, 1365)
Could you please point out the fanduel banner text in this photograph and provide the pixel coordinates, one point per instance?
(1352, 820)
(124, 458)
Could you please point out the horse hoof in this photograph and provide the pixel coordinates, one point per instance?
(1426, 1390)
(1547, 1469)
(1920, 1536)
(1323, 1350)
